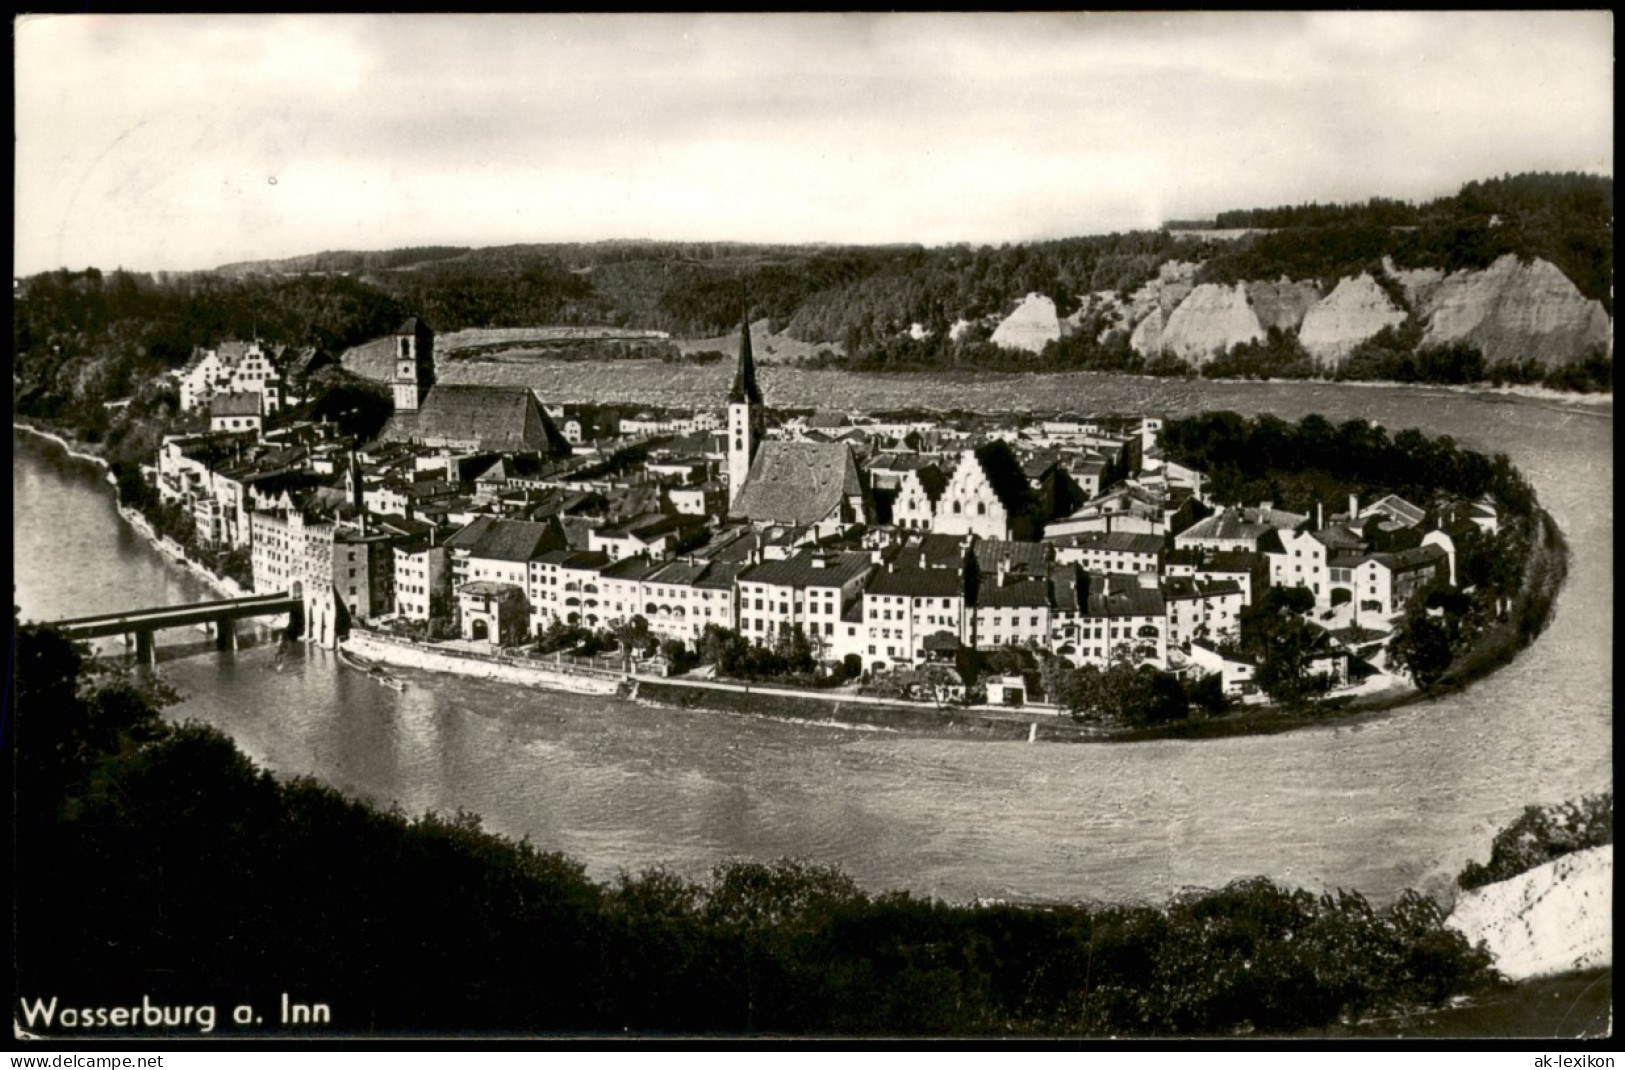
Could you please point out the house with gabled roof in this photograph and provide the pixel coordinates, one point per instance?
(809, 590)
(1110, 551)
(903, 606)
(500, 550)
(1397, 510)
(236, 412)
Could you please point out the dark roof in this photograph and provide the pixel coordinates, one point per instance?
(411, 326)
(1338, 537)
(809, 569)
(1405, 560)
(500, 419)
(942, 641)
(516, 540)
(470, 536)
(1038, 464)
(1227, 524)
(719, 574)
(631, 568)
(1014, 555)
(940, 551)
(744, 388)
(680, 572)
(1112, 541)
(918, 583)
(1003, 470)
(797, 483)
(1123, 596)
(1018, 591)
(246, 403)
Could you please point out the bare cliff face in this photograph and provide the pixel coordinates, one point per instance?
(1282, 304)
(1031, 326)
(1514, 311)
(1212, 319)
(1354, 311)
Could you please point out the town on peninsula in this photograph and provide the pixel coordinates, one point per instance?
(786, 528)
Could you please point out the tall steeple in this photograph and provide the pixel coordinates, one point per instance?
(745, 388)
(747, 424)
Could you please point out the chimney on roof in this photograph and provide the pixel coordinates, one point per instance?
(1354, 506)
(1148, 581)
(1320, 516)
(1265, 507)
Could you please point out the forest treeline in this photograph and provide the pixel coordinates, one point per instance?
(92, 336)
(159, 861)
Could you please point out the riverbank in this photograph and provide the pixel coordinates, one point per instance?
(171, 550)
(76, 448)
(403, 653)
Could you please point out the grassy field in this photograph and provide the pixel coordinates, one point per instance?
(645, 382)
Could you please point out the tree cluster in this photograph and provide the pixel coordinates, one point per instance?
(1541, 834)
(1250, 460)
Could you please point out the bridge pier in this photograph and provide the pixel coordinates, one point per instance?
(225, 634)
(146, 651)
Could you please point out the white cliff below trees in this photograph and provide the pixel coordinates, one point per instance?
(1353, 312)
(1211, 320)
(1282, 305)
(1514, 311)
(1030, 327)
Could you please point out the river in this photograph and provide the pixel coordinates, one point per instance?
(1403, 800)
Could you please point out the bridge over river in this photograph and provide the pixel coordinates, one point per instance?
(142, 623)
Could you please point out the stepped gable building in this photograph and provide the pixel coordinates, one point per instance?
(485, 419)
(800, 484)
(988, 495)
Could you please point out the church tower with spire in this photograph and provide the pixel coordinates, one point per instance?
(747, 424)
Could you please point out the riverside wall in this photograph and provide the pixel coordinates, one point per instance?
(404, 653)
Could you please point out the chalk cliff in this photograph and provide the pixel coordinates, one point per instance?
(1147, 337)
(1282, 304)
(1514, 311)
(1032, 325)
(1212, 319)
(1354, 311)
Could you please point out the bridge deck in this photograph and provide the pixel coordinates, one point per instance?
(105, 624)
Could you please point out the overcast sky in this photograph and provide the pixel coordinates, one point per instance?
(176, 142)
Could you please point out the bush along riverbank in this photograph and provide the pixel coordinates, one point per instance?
(520, 940)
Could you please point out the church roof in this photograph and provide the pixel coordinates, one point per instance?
(745, 388)
(499, 419)
(797, 483)
(373, 360)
